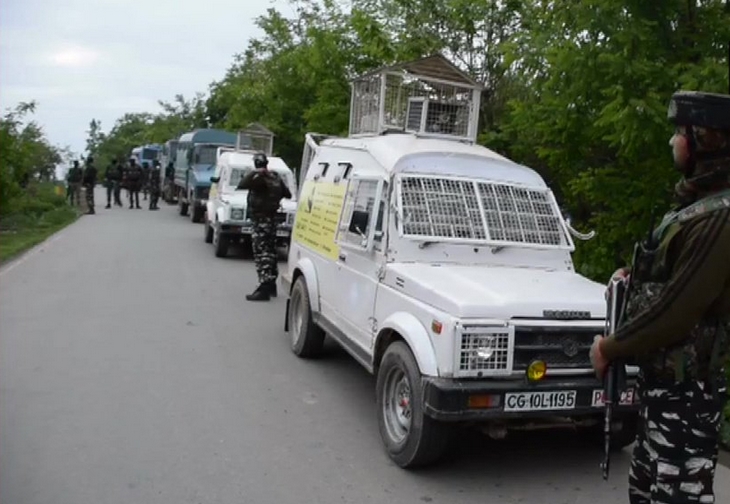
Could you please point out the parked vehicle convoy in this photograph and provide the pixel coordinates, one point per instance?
(195, 164)
(445, 269)
(226, 218)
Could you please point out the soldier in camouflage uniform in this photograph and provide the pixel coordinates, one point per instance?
(112, 178)
(75, 176)
(678, 315)
(154, 185)
(90, 183)
(133, 181)
(145, 178)
(266, 189)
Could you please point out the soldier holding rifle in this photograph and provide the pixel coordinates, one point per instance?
(675, 321)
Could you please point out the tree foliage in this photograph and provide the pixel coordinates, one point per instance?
(577, 90)
(25, 154)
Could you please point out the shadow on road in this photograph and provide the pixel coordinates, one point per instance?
(472, 452)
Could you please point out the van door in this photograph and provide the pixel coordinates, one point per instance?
(358, 262)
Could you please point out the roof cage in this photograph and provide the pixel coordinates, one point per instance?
(429, 97)
(255, 137)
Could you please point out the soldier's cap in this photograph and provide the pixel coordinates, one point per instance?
(695, 108)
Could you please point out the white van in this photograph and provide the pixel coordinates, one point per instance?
(445, 269)
(226, 219)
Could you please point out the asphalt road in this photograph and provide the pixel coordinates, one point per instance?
(133, 370)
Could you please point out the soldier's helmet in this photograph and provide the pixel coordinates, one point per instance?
(706, 119)
(260, 160)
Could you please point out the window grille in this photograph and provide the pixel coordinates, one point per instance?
(450, 208)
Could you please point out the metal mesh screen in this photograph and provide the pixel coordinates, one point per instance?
(484, 352)
(453, 208)
(410, 101)
(441, 207)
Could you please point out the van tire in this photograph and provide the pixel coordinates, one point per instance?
(220, 243)
(196, 214)
(307, 338)
(423, 440)
(208, 232)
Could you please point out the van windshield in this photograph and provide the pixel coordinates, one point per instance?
(459, 209)
(238, 173)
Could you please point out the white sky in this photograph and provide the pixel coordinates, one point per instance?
(84, 59)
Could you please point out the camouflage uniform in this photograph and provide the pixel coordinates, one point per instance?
(677, 322)
(134, 183)
(112, 178)
(264, 248)
(75, 176)
(145, 179)
(266, 189)
(154, 185)
(90, 183)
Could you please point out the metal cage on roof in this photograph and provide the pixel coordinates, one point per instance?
(429, 97)
(256, 137)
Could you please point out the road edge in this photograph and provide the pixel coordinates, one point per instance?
(11, 262)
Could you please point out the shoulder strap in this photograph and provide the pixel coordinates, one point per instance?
(701, 207)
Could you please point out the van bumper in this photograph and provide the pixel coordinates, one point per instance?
(449, 399)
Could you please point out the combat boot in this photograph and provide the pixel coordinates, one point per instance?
(260, 294)
(270, 287)
(90, 212)
(108, 206)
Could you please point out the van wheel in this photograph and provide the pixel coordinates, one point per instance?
(411, 438)
(196, 214)
(307, 338)
(208, 232)
(220, 243)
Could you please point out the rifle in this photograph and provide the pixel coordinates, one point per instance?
(615, 377)
(614, 381)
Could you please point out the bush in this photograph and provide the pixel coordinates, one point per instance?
(31, 216)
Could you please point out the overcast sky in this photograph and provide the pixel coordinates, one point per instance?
(84, 59)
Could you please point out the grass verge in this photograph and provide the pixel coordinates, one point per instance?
(31, 218)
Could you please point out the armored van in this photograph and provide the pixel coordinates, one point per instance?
(227, 221)
(445, 269)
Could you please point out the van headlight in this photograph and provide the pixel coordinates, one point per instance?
(236, 213)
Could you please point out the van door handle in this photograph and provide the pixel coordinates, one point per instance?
(342, 257)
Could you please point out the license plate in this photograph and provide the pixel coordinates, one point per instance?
(627, 397)
(540, 401)
(282, 233)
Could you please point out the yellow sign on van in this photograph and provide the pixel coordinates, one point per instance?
(318, 214)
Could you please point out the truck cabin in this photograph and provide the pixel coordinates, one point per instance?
(197, 150)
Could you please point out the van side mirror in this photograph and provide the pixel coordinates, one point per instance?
(215, 180)
(359, 222)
